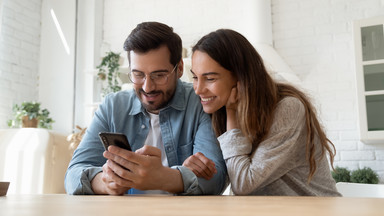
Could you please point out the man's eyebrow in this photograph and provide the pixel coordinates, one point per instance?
(207, 73)
(156, 71)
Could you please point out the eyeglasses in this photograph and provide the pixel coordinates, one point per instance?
(159, 78)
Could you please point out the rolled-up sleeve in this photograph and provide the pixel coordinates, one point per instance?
(190, 182)
(233, 143)
(206, 143)
(84, 188)
(87, 159)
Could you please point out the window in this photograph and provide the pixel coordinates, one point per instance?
(369, 47)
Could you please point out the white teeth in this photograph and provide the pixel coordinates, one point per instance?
(207, 99)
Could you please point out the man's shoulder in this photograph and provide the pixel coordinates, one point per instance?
(122, 99)
(184, 96)
(188, 91)
(125, 94)
(187, 84)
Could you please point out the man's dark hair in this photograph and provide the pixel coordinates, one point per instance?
(151, 35)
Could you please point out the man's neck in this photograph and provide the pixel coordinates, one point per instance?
(156, 112)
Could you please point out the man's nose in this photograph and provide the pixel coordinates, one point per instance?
(148, 84)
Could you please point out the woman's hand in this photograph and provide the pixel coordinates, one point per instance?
(231, 108)
(201, 165)
(233, 98)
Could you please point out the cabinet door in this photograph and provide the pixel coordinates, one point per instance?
(369, 47)
(372, 42)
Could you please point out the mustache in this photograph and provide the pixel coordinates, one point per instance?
(149, 93)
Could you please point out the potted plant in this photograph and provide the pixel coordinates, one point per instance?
(365, 175)
(341, 174)
(28, 114)
(108, 70)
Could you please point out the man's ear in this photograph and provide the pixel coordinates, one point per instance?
(180, 68)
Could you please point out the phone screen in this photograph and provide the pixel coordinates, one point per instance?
(117, 139)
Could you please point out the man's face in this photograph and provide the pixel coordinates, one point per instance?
(152, 95)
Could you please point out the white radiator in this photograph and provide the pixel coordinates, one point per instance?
(33, 160)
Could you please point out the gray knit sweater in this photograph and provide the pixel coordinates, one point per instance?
(278, 166)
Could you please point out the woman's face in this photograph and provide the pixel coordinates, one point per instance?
(211, 81)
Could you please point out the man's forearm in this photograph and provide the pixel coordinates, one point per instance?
(97, 184)
(172, 181)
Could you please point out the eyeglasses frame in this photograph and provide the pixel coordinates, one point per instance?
(145, 78)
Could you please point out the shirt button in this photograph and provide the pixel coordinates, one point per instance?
(142, 126)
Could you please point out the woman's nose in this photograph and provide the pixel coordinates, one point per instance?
(198, 87)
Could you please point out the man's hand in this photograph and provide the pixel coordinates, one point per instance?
(142, 170)
(201, 165)
(105, 183)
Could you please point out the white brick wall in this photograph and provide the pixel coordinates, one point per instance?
(314, 37)
(19, 54)
(316, 40)
(190, 19)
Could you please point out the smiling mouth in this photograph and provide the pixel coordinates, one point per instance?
(150, 94)
(206, 99)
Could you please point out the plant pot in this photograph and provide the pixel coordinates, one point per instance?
(4, 188)
(29, 123)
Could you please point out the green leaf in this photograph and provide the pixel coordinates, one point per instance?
(32, 110)
(108, 70)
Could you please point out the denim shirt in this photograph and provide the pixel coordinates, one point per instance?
(185, 130)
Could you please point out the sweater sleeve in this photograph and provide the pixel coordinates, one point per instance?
(277, 154)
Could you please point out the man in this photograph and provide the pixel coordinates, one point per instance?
(174, 149)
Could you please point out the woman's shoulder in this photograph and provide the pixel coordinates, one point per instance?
(290, 111)
(290, 106)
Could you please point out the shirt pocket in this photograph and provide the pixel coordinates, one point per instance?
(185, 150)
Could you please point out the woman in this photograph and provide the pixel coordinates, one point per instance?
(270, 136)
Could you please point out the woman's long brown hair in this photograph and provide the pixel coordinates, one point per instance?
(259, 94)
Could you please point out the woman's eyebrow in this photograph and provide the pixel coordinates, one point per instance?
(207, 73)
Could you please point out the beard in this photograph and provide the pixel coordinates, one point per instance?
(155, 106)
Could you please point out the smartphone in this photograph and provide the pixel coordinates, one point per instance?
(117, 139)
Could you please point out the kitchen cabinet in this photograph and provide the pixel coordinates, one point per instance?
(369, 54)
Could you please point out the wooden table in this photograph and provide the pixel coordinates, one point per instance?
(61, 204)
